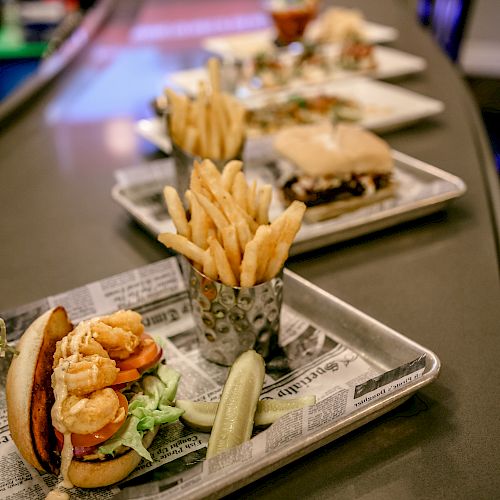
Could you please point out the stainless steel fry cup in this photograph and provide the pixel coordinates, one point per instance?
(230, 320)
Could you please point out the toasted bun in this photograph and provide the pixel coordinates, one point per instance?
(29, 391)
(323, 150)
(30, 399)
(96, 474)
(335, 208)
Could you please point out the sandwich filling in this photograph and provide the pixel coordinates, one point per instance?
(318, 190)
(110, 389)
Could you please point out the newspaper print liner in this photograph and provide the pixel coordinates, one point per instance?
(230, 320)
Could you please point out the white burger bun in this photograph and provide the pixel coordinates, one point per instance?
(322, 150)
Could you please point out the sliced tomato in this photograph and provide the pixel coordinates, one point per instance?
(126, 376)
(153, 362)
(147, 354)
(95, 438)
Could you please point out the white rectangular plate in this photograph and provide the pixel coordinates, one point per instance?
(391, 63)
(421, 189)
(250, 43)
(383, 106)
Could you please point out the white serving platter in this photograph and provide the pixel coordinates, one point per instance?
(383, 107)
(391, 63)
(250, 43)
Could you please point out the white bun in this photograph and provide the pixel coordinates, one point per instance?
(26, 415)
(322, 150)
(97, 474)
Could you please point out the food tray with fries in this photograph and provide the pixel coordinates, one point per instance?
(325, 343)
(421, 189)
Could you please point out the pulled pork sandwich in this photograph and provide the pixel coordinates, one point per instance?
(333, 169)
(86, 402)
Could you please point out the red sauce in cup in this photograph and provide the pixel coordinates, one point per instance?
(291, 23)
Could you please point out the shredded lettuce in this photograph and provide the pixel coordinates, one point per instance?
(149, 407)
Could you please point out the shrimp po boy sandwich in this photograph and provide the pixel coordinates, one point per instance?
(86, 401)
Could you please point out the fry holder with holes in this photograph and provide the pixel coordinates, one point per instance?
(230, 320)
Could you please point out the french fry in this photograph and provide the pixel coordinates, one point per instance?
(229, 173)
(286, 227)
(176, 211)
(212, 211)
(251, 264)
(221, 262)
(214, 134)
(201, 123)
(198, 223)
(214, 74)
(191, 138)
(182, 245)
(277, 261)
(244, 233)
(220, 123)
(265, 243)
(195, 184)
(239, 190)
(294, 215)
(178, 114)
(248, 274)
(208, 165)
(209, 267)
(232, 249)
(264, 201)
(251, 196)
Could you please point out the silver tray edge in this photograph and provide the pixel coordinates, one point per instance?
(353, 229)
(272, 461)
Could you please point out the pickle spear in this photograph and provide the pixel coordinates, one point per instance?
(233, 422)
(200, 415)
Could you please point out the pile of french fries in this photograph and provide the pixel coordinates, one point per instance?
(212, 125)
(228, 236)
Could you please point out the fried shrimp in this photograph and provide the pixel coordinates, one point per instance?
(127, 320)
(84, 415)
(119, 343)
(88, 374)
(86, 348)
(78, 342)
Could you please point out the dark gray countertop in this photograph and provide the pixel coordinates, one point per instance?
(434, 280)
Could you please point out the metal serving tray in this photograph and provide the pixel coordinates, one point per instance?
(421, 189)
(380, 346)
(322, 338)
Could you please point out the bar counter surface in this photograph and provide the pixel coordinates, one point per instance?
(435, 279)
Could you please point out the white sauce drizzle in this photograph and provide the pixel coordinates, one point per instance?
(70, 349)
